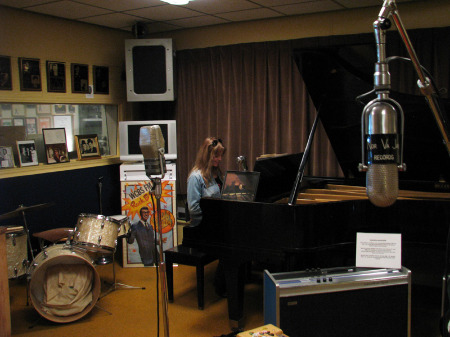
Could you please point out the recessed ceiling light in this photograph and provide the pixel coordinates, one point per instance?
(177, 2)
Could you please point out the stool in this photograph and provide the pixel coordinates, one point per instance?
(190, 257)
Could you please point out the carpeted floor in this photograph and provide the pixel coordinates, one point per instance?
(133, 312)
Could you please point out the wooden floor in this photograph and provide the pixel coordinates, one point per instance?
(132, 312)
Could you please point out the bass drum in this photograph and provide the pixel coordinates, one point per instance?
(64, 284)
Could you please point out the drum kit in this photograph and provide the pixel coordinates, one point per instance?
(71, 262)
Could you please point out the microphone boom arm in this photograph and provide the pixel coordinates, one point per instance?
(390, 9)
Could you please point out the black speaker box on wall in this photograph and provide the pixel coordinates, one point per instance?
(149, 70)
(339, 302)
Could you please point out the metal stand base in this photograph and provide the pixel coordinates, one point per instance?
(117, 285)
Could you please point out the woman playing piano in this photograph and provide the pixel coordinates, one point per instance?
(206, 180)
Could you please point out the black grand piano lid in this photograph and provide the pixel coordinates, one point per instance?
(334, 82)
(277, 176)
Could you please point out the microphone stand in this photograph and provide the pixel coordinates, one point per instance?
(425, 85)
(163, 298)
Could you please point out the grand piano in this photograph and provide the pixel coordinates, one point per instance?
(319, 230)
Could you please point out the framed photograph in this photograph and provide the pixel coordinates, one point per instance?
(56, 76)
(45, 123)
(31, 126)
(18, 122)
(27, 153)
(30, 74)
(80, 78)
(87, 147)
(5, 73)
(7, 122)
(56, 145)
(59, 108)
(6, 157)
(101, 80)
(18, 110)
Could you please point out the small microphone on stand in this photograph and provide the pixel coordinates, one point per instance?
(242, 163)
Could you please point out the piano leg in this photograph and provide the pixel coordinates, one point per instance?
(235, 272)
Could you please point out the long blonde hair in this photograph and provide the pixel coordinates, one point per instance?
(210, 148)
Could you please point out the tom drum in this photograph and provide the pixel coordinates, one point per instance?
(97, 233)
(16, 251)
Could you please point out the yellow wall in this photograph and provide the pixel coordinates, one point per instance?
(24, 34)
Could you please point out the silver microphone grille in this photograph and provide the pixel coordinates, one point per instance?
(382, 184)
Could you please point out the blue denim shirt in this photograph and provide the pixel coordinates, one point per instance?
(196, 189)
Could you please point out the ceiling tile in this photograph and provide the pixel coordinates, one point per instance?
(68, 10)
(359, 3)
(309, 7)
(199, 21)
(121, 5)
(220, 6)
(165, 12)
(273, 3)
(115, 20)
(157, 27)
(252, 14)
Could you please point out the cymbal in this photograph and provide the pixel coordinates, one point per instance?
(23, 208)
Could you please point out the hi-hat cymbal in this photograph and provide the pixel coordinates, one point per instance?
(23, 208)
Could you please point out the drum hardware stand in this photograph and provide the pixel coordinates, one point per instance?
(104, 260)
(118, 285)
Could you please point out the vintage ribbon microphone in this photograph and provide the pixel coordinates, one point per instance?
(382, 127)
(152, 145)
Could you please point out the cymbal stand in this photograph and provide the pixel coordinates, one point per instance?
(31, 250)
(28, 233)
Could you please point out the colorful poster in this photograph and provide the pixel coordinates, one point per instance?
(139, 204)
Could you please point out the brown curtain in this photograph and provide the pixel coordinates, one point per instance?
(253, 98)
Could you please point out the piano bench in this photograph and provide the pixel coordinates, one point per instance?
(190, 257)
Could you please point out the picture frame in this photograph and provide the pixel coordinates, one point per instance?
(55, 144)
(87, 147)
(101, 80)
(5, 73)
(80, 78)
(6, 157)
(45, 123)
(30, 74)
(27, 153)
(18, 122)
(31, 126)
(56, 76)
(7, 122)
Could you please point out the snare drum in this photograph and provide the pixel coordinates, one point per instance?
(64, 285)
(97, 233)
(16, 251)
(124, 224)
